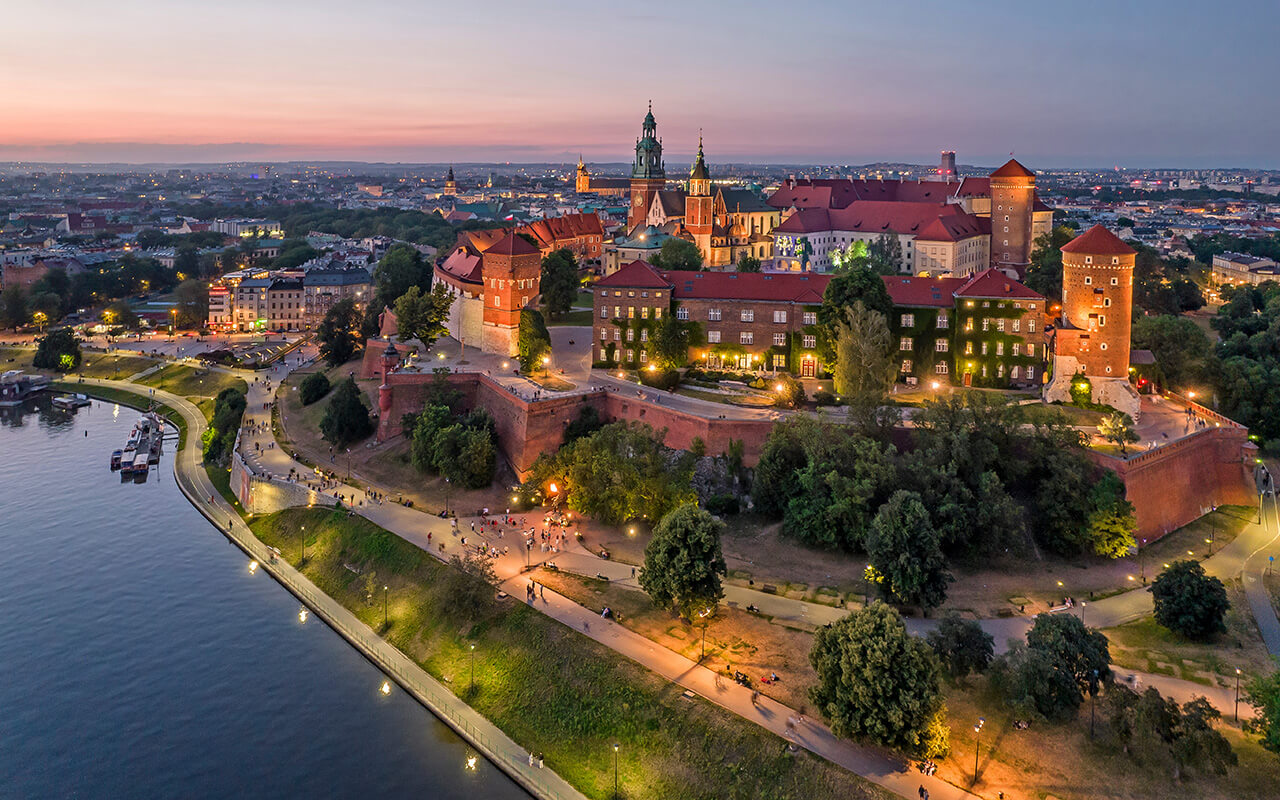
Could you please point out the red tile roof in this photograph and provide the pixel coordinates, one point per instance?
(554, 230)
(462, 265)
(908, 290)
(992, 283)
(783, 287)
(1098, 241)
(636, 275)
(942, 222)
(511, 245)
(1012, 169)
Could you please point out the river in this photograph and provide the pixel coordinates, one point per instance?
(140, 658)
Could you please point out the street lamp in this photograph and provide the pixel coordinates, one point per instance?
(546, 366)
(615, 769)
(977, 729)
(304, 546)
(1093, 705)
(384, 605)
(473, 666)
(1237, 712)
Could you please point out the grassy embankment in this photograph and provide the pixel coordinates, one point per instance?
(1046, 760)
(549, 688)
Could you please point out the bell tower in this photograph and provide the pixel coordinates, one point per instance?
(582, 179)
(648, 173)
(698, 213)
(450, 185)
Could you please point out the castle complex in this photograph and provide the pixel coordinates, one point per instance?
(493, 282)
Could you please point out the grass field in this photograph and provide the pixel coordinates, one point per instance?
(113, 366)
(192, 383)
(16, 358)
(549, 688)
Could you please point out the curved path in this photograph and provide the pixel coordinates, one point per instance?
(482, 734)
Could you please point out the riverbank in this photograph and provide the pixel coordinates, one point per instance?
(551, 689)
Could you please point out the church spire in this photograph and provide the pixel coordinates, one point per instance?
(699, 175)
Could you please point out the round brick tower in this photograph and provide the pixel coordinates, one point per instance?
(1097, 301)
(1013, 194)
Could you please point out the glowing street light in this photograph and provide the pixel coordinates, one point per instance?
(473, 666)
(977, 729)
(615, 769)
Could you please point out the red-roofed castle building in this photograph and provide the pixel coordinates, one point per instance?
(494, 281)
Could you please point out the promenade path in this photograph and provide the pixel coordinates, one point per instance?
(499, 748)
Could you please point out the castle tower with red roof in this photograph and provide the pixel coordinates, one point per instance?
(648, 173)
(1013, 193)
(699, 214)
(510, 270)
(1093, 333)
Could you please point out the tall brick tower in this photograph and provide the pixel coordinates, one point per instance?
(648, 174)
(510, 269)
(699, 217)
(1013, 190)
(1092, 336)
(582, 178)
(450, 185)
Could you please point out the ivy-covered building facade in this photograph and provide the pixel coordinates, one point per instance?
(985, 331)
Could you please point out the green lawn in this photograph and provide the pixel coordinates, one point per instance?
(113, 366)
(16, 358)
(193, 384)
(549, 688)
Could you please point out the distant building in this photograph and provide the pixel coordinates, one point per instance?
(27, 272)
(586, 183)
(248, 227)
(1238, 269)
(323, 288)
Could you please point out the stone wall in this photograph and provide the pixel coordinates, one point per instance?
(262, 494)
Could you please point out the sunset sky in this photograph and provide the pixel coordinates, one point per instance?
(1125, 82)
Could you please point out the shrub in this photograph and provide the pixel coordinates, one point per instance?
(1189, 602)
(314, 387)
(722, 504)
(660, 379)
(824, 398)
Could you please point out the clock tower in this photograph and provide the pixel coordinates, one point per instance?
(648, 174)
(698, 216)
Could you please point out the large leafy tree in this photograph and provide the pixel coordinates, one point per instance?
(1189, 602)
(424, 315)
(339, 332)
(1044, 273)
(1060, 662)
(58, 350)
(462, 448)
(863, 368)
(400, 269)
(672, 339)
(191, 298)
(533, 340)
(905, 550)
(618, 473)
(844, 289)
(844, 480)
(961, 645)
(878, 682)
(220, 437)
(884, 255)
(1117, 428)
(13, 306)
(683, 562)
(346, 419)
(559, 282)
(1112, 522)
(1179, 345)
(1263, 693)
(1157, 732)
(748, 263)
(679, 254)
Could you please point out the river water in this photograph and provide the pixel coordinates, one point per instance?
(140, 658)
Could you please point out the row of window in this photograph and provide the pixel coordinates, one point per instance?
(524, 283)
(630, 293)
(747, 337)
(909, 320)
(617, 334)
(1088, 280)
(1015, 326)
(942, 368)
(631, 312)
(907, 343)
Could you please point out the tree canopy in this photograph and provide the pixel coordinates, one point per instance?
(1157, 732)
(904, 549)
(424, 315)
(961, 645)
(401, 269)
(678, 254)
(683, 562)
(880, 683)
(559, 282)
(533, 340)
(460, 447)
(1190, 602)
(57, 350)
(1263, 693)
(863, 368)
(339, 332)
(1060, 661)
(346, 418)
(844, 289)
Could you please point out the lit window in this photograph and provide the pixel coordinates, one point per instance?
(810, 342)
(940, 368)
(644, 312)
(779, 339)
(906, 365)
(908, 320)
(745, 337)
(713, 337)
(810, 318)
(999, 348)
(780, 317)
(940, 346)
(943, 322)
(748, 315)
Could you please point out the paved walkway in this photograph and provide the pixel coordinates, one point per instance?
(484, 735)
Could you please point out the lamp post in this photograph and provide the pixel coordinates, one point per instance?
(977, 744)
(1142, 562)
(1093, 705)
(615, 769)
(304, 546)
(473, 666)
(384, 605)
(1237, 712)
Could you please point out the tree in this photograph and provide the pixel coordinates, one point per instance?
(845, 288)
(313, 388)
(191, 299)
(346, 419)
(1112, 522)
(1189, 602)
(400, 269)
(586, 423)
(683, 562)
(467, 590)
(1044, 273)
(1179, 345)
(533, 340)
(219, 438)
(58, 350)
(460, 447)
(1263, 693)
(1117, 428)
(846, 477)
(961, 645)
(339, 333)
(559, 282)
(119, 313)
(1061, 660)
(679, 254)
(787, 391)
(186, 261)
(878, 682)
(884, 255)
(1157, 732)
(424, 316)
(748, 263)
(863, 356)
(904, 548)
(13, 307)
(856, 255)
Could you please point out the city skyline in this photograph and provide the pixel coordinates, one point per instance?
(1145, 84)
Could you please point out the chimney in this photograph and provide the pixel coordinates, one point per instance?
(1007, 287)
